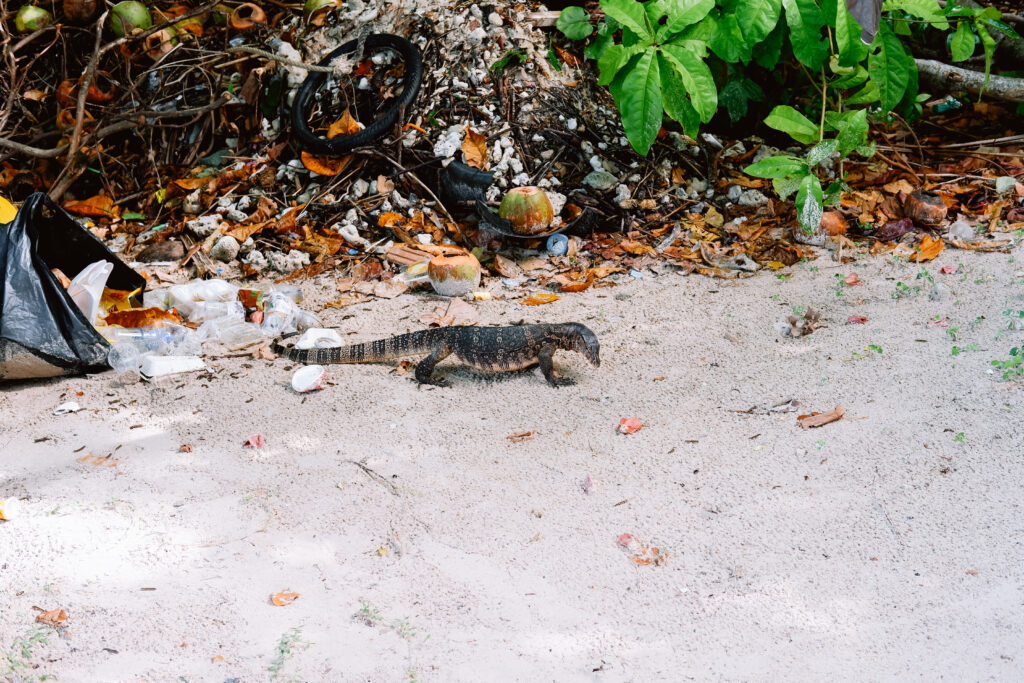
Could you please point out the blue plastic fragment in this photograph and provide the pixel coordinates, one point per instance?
(558, 245)
(633, 272)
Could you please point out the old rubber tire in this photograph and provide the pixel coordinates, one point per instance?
(376, 130)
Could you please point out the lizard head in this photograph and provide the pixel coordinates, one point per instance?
(584, 341)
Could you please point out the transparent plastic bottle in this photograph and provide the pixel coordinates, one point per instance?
(203, 311)
(279, 314)
(126, 360)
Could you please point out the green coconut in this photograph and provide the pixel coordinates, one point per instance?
(127, 16)
(528, 209)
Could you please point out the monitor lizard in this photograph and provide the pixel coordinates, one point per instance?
(489, 349)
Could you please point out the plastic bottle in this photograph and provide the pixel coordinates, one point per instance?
(279, 314)
(216, 310)
(126, 360)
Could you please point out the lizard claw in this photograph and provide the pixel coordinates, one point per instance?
(437, 382)
(556, 382)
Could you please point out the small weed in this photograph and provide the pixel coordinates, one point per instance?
(977, 321)
(957, 350)
(923, 274)
(16, 664)
(783, 276)
(840, 284)
(798, 310)
(959, 438)
(814, 269)
(953, 332)
(368, 614)
(1013, 367)
(868, 351)
(904, 291)
(983, 278)
(290, 643)
(1014, 319)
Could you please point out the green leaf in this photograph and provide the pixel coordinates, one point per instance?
(851, 49)
(778, 167)
(574, 22)
(682, 13)
(962, 45)
(793, 123)
(736, 94)
(928, 10)
(727, 41)
(697, 78)
(805, 25)
(757, 18)
(630, 14)
(556, 64)
(596, 49)
(989, 45)
(637, 93)
(853, 130)
(133, 216)
(822, 151)
(859, 75)
(866, 95)
(888, 66)
(786, 186)
(674, 100)
(809, 203)
(833, 193)
(1001, 26)
(613, 59)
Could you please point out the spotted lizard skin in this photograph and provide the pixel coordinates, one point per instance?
(488, 349)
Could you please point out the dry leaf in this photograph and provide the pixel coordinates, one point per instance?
(474, 149)
(678, 176)
(629, 425)
(284, 598)
(820, 419)
(947, 270)
(254, 441)
(519, 437)
(455, 312)
(322, 165)
(852, 279)
(55, 618)
(94, 207)
(538, 299)
(580, 285)
(384, 186)
(897, 186)
(346, 125)
(389, 289)
(142, 317)
(390, 219)
(856, 320)
(506, 267)
(189, 184)
(185, 448)
(568, 57)
(928, 249)
(98, 461)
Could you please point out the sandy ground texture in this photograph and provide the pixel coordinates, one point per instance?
(425, 545)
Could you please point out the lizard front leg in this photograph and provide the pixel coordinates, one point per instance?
(425, 368)
(546, 366)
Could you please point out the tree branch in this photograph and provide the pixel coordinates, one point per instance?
(947, 78)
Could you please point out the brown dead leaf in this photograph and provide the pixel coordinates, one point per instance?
(820, 419)
(636, 248)
(568, 57)
(506, 267)
(678, 176)
(519, 437)
(284, 598)
(244, 232)
(142, 317)
(185, 448)
(540, 298)
(384, 185)
(56, 618)
(390, 219)
(389, 289)
(534, 263)
(455, 312)
(323, 165)
(897, 186)
(190, 184)
(98, 206)
(346, 125)
(474, 149)
(579, 286)
(928, 249)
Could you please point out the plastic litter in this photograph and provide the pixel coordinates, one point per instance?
(68, 407)
(558, 245)
(43, 333)
(159, 366)
(319, 338)
(308, 378)
(86, 289)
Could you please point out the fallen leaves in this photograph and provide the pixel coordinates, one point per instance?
(539, 299)
(820, 419)
(254, 441)
(640, 553)
(57, 618)
(98, 206)
(324, 165)
(630, 425)
(928, 249)
(856, 320)
(519, 437)
(455, 312)
(284, 598)
(98, 461)
(474, 149)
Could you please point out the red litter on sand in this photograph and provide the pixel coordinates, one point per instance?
(254, 441)
(856, 320)
(628, 425)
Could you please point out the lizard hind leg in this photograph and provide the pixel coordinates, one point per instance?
(425, 368)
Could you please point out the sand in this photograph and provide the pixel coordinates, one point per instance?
(425, 545)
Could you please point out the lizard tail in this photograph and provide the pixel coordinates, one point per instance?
(411, 344)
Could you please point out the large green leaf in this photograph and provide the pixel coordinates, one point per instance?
(988, 43)
(793, 123)
(630, 14)
(574, 22)
(682, 13)
(822, 151)
(805, 24)
(674, 99)
(930, 10)
(786, 186)
(851, 48)
(853, 130)
(809, 203)
(697, 78)
(727, 41)
(888, 65)
(737, 92)
(866, 95)
(613, 59)
(637, 93)
(757, 18)
(768, 51)
(778, 167)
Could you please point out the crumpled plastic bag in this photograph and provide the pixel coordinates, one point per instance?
(43, 333)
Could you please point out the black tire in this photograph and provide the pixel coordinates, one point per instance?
(380, 126)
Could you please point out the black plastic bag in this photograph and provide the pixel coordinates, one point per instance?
(42, 332)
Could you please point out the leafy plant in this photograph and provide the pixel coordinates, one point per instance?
(15, 664)
(1013, 367)
(290, 643)
(903, 291)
